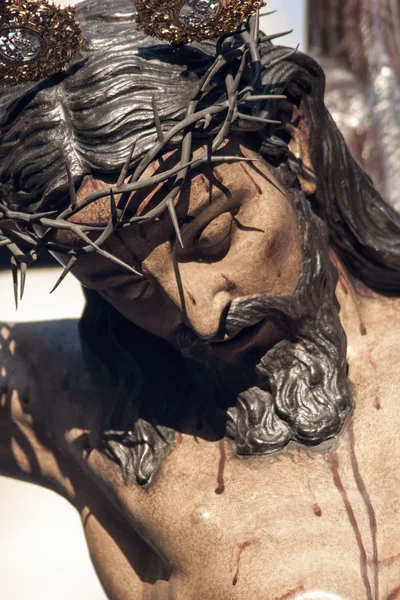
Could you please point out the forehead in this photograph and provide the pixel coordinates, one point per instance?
(223, 186)
(231, 180)
(248, 190)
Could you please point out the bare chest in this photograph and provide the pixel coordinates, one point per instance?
(307, 523)
(277, 527)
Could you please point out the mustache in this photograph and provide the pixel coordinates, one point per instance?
(251, 310)
(242, 313)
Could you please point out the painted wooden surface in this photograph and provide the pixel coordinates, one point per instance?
(43, 554)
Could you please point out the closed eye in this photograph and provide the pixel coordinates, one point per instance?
(215, 239)
(207, 236)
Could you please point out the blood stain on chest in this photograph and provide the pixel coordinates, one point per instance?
(291, 593)
(395, 595)
(369, 508)
(384, 562)
(374, 366)
(221, 468)
(372, 589)
(334, 463)
(317, 510)
(241, 548)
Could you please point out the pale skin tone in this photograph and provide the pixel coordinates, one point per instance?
(318, 523)
(195, 284)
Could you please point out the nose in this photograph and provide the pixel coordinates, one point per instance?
(199, 290)
(205, 307)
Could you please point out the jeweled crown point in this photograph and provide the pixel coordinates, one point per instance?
(37, 39)
(184, 21)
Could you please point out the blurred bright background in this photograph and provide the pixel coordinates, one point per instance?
(43, 555)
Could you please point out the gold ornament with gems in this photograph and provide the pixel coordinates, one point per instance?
(184, 21)
(37, 39)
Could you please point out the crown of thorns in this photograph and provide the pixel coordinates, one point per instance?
(238, 59)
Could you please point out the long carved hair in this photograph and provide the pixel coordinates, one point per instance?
(89, 118)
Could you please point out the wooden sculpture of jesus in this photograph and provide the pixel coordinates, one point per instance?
(225, 415)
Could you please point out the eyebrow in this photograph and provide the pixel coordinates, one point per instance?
(211, 188)
(204, 202)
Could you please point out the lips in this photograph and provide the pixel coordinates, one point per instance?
(241, 340)
(261, 336)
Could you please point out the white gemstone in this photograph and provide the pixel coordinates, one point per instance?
(20, 45)
(197, 12)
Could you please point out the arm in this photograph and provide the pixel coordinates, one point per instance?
(31, 380)
(48, 403)
(14, 390)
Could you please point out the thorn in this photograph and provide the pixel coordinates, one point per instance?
(113, 205)
(267, 14)
(174, 219)
(24, 269)
(219, 63)
(230, 117)
(34, 255)
(160, 133)
(239, 75)
(44, 215)
(209, 153)
(71, 187)
(255, 34)
(225, 36)
(257, 119)
(282, 58)
(115, 213)
(14, 271)
(106, 254)
(117, 261)
(275, 36)
(65, 272)
(207, 121)
(125, 168)
(222, 159)
(263, 98)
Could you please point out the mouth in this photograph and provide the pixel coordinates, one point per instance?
(240, 340)
(261, 335)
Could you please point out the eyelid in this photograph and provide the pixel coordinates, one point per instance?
(194, 251)
(225, 227)
(199, 223)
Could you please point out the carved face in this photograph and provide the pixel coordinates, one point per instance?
(249, 300)
(241, 238)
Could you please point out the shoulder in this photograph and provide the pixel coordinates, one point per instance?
(35, 360)
(44, 385)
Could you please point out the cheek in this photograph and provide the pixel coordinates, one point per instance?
(153, 313)
(271, 249)
(283, 249)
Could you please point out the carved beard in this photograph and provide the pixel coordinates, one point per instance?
(298, 390)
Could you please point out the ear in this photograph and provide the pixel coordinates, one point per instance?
(295, 128)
